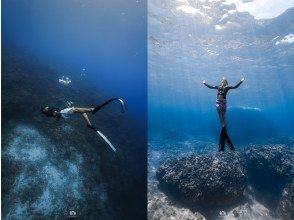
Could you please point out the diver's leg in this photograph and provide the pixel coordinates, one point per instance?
(220, 118)
(82, 110)
(89, 125)
(228, 139)
(221, 143)
(86, 118)
(223, 118)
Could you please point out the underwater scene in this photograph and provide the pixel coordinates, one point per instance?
(74, 56)
(204, 41)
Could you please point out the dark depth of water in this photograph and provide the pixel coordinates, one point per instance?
(106, 38)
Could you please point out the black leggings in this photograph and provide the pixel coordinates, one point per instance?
(223, 138)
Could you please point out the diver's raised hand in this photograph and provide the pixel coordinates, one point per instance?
(242, 79)
(203, 81)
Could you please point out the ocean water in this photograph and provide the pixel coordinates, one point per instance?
(181, 58)
(101, 41)
(192, 41)
(73, 53)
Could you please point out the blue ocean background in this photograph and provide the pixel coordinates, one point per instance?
(106, 38)
(181, 58)
(192, 41)
(60, 169)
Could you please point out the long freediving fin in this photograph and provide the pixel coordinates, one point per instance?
(123, 106)
(106, 140)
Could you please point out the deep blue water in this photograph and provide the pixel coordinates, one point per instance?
(185, 49)
(52, 166)
(106, 38)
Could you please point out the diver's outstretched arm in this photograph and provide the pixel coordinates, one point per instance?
(238, 84)
(209, 86)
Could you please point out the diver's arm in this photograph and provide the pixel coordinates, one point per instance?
(238, 84)
(209, 86)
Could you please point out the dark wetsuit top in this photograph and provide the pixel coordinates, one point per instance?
(223, 91)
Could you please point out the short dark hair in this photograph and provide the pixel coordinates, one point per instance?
(43, 108)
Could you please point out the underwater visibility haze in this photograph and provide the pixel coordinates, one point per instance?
(192, 41)
(187, 47)
(104, 41)
(73, 53)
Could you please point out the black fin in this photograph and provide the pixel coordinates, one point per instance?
(97, 108)
(92, 127)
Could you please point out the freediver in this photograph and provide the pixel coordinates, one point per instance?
(65, 113)
(221, 107)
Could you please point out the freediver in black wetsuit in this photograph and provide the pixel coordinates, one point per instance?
(65, 113)
(221, 107)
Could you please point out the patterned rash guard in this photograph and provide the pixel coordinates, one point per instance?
(222, 92)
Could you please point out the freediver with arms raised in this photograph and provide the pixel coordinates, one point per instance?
(65, 113)
(221, 107)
